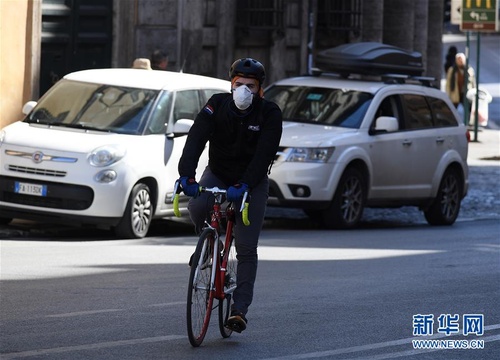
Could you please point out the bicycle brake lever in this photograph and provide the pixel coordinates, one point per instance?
(176, 190)
(243, 201)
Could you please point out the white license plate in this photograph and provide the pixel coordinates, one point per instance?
(30, 189)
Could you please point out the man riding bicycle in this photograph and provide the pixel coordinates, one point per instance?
(244, 131)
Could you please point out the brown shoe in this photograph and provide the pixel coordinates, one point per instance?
(237, 322)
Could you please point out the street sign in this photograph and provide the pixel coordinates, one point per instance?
(479, 15)
(456, 12)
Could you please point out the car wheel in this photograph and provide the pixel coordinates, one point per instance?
(446, 206)
(348, 202)
(138, 214)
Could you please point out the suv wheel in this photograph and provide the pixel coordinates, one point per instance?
(446, 206)
(138, 214)
(348, 202)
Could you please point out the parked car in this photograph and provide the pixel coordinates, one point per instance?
(101, 147)
(348, 144)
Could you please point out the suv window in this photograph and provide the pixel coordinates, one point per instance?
(336, 107)
(417, 112)
(443, 115)
(390, 106)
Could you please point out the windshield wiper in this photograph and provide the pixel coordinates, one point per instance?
(79, 126)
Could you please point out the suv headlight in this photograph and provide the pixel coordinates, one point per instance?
(317, 155)
(106, 155)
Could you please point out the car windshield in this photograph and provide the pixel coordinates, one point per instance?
(316, 105)
(91, 106)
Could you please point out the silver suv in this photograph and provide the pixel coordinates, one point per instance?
(349, 144)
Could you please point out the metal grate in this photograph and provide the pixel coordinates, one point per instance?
(260, 14)
(35, 171)
(339, 16)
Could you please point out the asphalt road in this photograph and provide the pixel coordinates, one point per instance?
(319, 294)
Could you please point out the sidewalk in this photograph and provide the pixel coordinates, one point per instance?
(486, 151)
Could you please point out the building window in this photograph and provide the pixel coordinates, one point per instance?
(210, 13)
(260, 14)
(339, 16)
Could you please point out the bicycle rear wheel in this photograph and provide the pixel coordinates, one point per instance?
(229, 286)
(199, 297)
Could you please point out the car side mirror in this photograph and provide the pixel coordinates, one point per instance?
(30, 105)
(181, 127)
(386, 124)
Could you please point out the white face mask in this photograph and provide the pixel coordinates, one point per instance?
(242, 97)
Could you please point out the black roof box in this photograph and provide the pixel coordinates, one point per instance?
(369, 58)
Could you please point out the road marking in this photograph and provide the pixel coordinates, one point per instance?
(168, 304)
(96, 346)
(354, 349)
(81, 313)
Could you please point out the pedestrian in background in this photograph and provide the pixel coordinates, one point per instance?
(159, 60)
(456, 88)
(141, 63)
(450, 58)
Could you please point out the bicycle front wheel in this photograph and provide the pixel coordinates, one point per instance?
(200, 297)
(229, 287)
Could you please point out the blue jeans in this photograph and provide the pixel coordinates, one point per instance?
(247, 237)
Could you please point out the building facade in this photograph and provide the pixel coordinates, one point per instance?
(199, 36)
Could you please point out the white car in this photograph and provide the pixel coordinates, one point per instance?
(102, 147)
(349, 144)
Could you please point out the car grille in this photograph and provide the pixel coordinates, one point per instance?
(35, 171)
(59, 196)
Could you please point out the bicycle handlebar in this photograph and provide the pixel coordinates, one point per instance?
(214, 190)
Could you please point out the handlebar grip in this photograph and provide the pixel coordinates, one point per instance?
(177, 212)
(175, 198)
(244, 214)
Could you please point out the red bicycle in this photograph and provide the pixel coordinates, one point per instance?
(212, 280)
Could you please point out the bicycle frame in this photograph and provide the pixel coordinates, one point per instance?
(219, 271)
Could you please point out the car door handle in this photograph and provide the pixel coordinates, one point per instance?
(440, 140)
(407, 142)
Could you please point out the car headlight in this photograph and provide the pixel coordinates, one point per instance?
(2, 137)
(106, 155)
(318, 155)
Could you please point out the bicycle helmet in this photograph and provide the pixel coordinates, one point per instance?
(249, 68)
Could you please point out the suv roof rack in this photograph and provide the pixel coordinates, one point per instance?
(407, 79)
(386, 78)
(369, 58)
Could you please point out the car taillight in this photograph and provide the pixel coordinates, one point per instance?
(467, 135)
